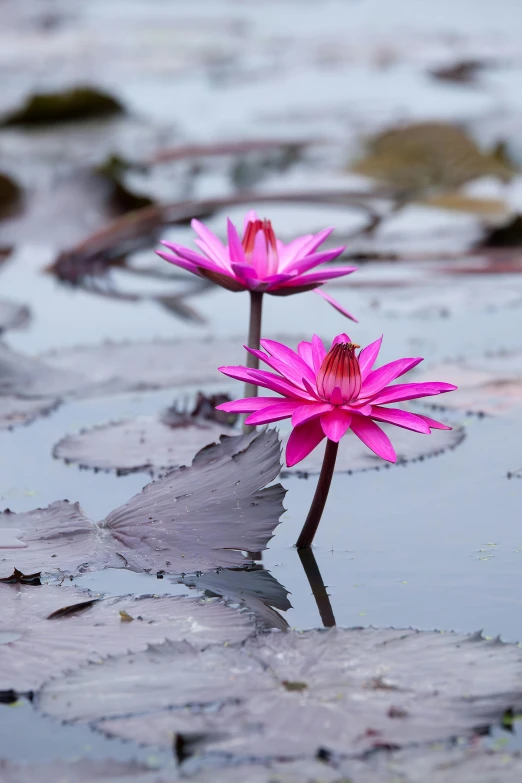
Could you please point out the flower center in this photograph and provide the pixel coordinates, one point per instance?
(249, 239)
(340, 370)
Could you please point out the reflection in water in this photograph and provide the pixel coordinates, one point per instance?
(315, 581)
(252, 587)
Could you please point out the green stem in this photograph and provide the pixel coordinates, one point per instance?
(254, 336)
(321, 493)
(315, 580)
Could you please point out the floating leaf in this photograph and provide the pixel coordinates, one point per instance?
(199, 518)
(84, 771)
(17, 578)
(50, 629)
(409, 446)
(491, 384)
(24, 376)
(111, 368)
(192, 519)
(79, 103)
(15, 411)
(12, 315)
(461, 72)
(425, 155)
(359, 683)
(147, 443)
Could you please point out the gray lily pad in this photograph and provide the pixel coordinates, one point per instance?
(111, 368)
(25, 376)
(358, 690)
(49, 629)
(354, 456)
(144, 443)
(15, 411)
(12, 315)
(491, 384)
(192, 519)
(84, 771)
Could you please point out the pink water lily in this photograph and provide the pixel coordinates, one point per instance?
(326, 394)
(259, 262)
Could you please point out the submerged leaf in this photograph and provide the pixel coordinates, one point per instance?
(446, 685)
(193, 519)
(52, 628)
(78, 103)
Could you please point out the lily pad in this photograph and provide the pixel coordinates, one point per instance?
(114, 367)
(491, 384)
(145, 443)
(12, 315)
(78, 103)
(354, 456)
(25, 376)
(15, 411)
(192, 519)
(84, 771)
(427, 155)
(51, 629)
(363, 689)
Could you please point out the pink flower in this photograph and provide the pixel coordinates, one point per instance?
(259, 261)
(327, 394)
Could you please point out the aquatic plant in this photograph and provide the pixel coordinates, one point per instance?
(327, 394)
(259, 263)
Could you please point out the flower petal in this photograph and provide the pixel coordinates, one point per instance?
(289, 357)
(318, 352)
(302, 265)
(334, 303)
(177, 261)
(303, 440)
(267, 380)
(368, 357)
(304, 349)
(323, 275)
(260, 255)
(309, 411)
(235, 248)
(340, 338)
(250, 217)
(405, 419)
(288, 372)
(212, 243)
(335, 423)
(411, 391)
(246, 405)
(373, 437)
(336, 398)
(433, 424)
(380, 378)
(282, 409)
(196, 258)
(293, 250)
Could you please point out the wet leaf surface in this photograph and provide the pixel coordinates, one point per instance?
(83, 771)
(149, 444)
(192, 519)
(78, 103)
(358, 683)
(48, 629)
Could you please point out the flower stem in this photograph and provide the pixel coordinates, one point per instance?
(321, 493)
(315, 580)
(254, 336)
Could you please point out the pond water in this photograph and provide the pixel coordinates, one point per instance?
(434, 543)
